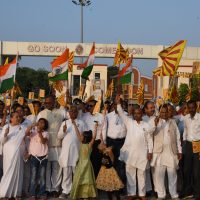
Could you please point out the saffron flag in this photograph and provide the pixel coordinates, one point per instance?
(88, 64)
(7, 75)
(71, 61)
(140, 93)
(6, 61)
(171, 57)
(157, 71)
(125, 68)
(110, 90)
(174, 96)
(60, 67)
(121, 55)
(189, 94)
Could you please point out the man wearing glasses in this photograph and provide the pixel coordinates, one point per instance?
(55, 117)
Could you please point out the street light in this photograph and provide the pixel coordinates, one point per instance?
(82, 3)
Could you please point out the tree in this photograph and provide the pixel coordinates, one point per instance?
(30, 80)
(183, 91)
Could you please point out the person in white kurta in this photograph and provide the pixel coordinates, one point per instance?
(55, 118)
(13, 164)
(136, 151)
(70, 149)
(166, 153)
(149, 116)
(25, 123)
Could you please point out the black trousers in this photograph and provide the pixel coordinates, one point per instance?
(96, 158)
(191, 172)
(118, 165)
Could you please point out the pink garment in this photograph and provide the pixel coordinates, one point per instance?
(36, 148)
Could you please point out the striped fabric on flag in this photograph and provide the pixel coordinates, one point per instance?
(189, 94)
(140, 93)
(121, 55)
(171, 57)
(157, 71)
(174, 95)
(125, 68)
(110, 90)
(7, 75)
(71, 61)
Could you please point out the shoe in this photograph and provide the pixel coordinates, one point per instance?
(32, 198)
(63, 196)
(54, 194)
(188, 196)
(43, 198)
(130, 197)
(48, 194)
(143, 198)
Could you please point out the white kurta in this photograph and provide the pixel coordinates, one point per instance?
(138, 142)
(70, 143)
(32, 118)
(166, 157)
(13, 151)
(55, 119)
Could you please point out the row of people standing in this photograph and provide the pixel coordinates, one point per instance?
(132, 142)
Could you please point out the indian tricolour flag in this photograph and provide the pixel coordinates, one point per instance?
(7, 75)
(60, 67)
(88, 64)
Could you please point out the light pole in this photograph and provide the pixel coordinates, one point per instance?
(82, 3)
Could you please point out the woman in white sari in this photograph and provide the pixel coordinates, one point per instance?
(13, 151)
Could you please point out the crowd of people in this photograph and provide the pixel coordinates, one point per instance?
(123, 150)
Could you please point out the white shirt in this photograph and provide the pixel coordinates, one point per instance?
(70, 143)
(116, 128)
(191, 128)
(138, 142)
(90, 124)
(147, 118)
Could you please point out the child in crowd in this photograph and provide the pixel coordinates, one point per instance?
(83, 185)
(108, 179)
(38, 150)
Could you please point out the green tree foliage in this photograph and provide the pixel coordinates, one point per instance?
(30, 80)
(183, 91)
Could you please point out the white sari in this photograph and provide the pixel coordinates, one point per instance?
(13, 164)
